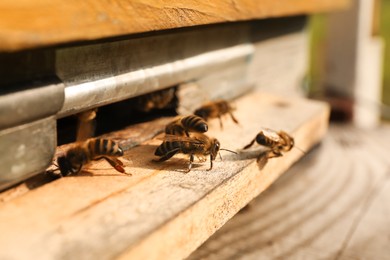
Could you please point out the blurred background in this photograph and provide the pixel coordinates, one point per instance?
(318, 40)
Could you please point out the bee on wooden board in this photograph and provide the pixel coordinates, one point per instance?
(92, 149)
(216, 109)
(275, 141)
(185, 124)
(155, 100)
(198, 144)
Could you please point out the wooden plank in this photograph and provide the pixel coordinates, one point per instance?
(333, 204)
(29, 24)
(159, 212)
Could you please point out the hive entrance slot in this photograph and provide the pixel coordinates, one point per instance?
(122, 114)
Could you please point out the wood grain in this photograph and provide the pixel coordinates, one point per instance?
(159, 212)
(30, 24)
(333, 204)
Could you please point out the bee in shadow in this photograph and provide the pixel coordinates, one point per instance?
(156, 100)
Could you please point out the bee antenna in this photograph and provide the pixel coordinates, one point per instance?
(304, 152)
(222, 149)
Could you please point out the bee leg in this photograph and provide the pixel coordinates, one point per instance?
(191, 161)
(113, 161)
(274, 153)
(288, 141)
(249, 145)
(233, 118)
(262, 160)
(211, 163)
(220, 121)
(120, 162)
(79, 169)
(116, 163)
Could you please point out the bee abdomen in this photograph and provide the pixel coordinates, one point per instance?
(194, 122)
(174, 129)
(167, 147)
(203, 112)
(104, 147)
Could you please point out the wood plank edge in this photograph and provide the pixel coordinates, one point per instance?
(25, 37)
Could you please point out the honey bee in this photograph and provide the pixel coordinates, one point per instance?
(92, 149)
(275, 141)
(183, 125)
(156, 100)
(198, 144)
(216, 109)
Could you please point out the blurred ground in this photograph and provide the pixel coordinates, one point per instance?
(332, 204)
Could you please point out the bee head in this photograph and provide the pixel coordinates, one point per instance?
(215, 146)
(64, 165)
(73, 161)
(290, 143)
(261, 139)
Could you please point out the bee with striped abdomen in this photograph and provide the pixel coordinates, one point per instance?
(92, 149)
(183, 125)
(198, 144)
(216, 109)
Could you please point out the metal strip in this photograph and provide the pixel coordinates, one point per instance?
(30, 104)
(26, 150)
(112, 89)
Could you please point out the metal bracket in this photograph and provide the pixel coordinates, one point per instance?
(28, 130)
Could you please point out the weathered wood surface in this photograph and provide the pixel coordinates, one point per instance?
(333, 204)
(159, 212)
(28, 24)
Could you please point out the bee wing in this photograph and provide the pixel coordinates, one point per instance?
(177, 138)
(271, 134)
